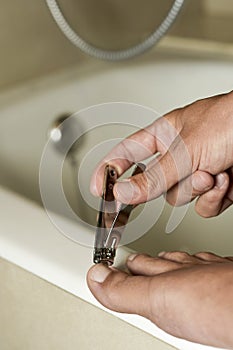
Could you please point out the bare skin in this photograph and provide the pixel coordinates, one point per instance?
(195, 143)
(187, 296)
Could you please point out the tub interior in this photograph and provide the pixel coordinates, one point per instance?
(161, 83)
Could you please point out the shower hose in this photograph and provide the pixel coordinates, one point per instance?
(112, 55)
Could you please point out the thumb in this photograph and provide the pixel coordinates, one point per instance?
(158, 178)
(119, 291)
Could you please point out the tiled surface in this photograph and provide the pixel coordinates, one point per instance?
(36, 315)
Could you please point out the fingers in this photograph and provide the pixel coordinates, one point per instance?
(210, 203)
(180, 257)
(156, 137)
(210, 257)
(119, 291)
(140, 264)
(133, 149)
(198, 258)
(191, 187)
(228, 200)
(172, 167)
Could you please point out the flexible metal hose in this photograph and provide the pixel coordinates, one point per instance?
(112, 55)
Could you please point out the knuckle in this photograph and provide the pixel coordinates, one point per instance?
(141, 259)
(202, 255)
(213, 197)
(154, 183)
(111, 292)
(180, 194)
(140, 181)
(111, 300)
(206, 211)
(177, 255)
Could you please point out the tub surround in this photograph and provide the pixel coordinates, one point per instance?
(45, 252)
(60, 320)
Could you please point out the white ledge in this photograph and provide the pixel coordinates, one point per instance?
(29, 239)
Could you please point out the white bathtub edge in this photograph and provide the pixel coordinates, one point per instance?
(29, 240)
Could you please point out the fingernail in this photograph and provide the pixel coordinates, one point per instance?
(132, 257)
(219, 180)
(124, 191)
(99, 273)
(161, 254)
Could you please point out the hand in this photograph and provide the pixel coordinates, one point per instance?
(195, 144)
(188, 296)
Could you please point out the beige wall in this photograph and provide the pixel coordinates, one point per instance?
(32, 45)
(30, 42)
(219, 8)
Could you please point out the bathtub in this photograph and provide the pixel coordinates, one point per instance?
(29, 236)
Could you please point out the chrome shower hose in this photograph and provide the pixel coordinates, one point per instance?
(112, 55)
